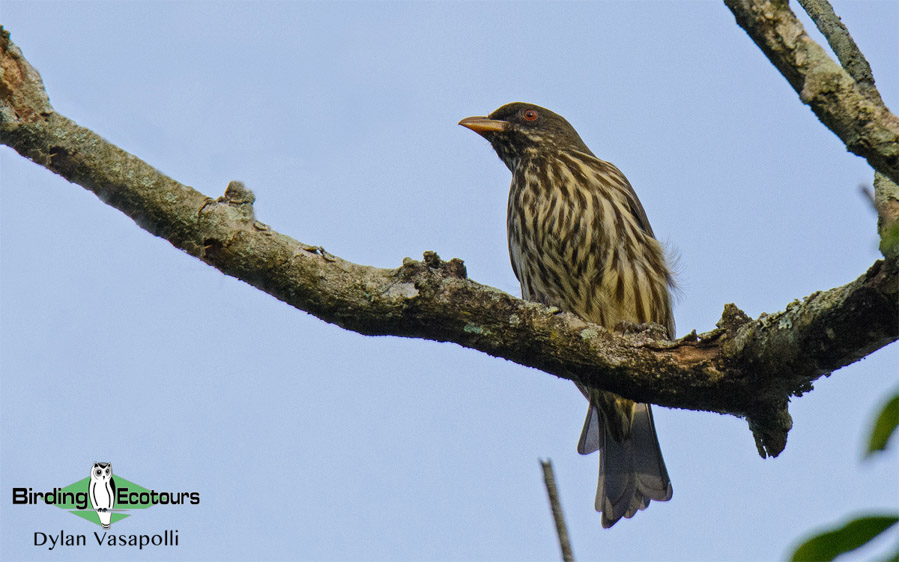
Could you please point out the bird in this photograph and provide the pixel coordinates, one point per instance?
(579, 240)
(102, 492)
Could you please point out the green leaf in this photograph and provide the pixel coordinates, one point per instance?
(852, 535)
(884, 426)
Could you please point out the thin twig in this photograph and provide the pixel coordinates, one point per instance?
(842, 43)
(550, 480)
(868, 194)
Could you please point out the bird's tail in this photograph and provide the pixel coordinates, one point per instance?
(631, 471)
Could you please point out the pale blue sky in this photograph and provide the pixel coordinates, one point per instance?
(309, 442)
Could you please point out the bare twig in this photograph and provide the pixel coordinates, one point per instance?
(561, 529)
(842, 43)
(868, 194)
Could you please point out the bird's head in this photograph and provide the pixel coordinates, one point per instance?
(519, 131)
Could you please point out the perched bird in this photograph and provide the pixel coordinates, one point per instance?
(579, 240)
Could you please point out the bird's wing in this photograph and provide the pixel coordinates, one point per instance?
(635, 207)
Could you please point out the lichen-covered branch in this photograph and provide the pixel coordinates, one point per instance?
(842, 43)
(745, 367)
(886, 201)
(846, 107)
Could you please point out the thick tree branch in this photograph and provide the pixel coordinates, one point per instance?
(846, 107)
(745, 367)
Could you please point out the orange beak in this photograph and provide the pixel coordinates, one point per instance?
(484, 125)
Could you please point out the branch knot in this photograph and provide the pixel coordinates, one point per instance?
(732, 318)
(454, 268)
(239, 197)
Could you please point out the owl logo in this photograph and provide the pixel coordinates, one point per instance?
(102, 491)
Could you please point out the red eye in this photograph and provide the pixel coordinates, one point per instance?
(529, 115)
